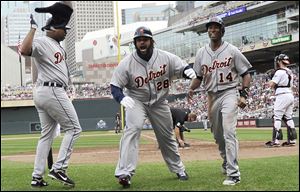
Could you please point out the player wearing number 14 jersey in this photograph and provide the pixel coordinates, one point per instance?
(220, 66)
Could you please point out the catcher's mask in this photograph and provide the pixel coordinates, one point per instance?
(281, 57)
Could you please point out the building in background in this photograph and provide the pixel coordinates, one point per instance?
(97, 52)
(10, 67)
(148, 12)
(184, 6)
(88, 16)
(15, 17)
(260, 29)
(15, 24)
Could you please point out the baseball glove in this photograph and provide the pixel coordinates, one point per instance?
(270, 73)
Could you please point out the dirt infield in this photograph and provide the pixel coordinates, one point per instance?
(199, 150)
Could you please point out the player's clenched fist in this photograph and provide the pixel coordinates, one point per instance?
(127, 102)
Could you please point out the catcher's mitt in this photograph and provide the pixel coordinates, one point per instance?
(270, 73)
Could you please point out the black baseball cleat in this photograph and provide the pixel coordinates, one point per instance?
(124, 180)
(183, 176)
(272, 144)
(38, 182)
(288, 144)
(61, 176)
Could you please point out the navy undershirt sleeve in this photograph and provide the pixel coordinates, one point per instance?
(117, 93)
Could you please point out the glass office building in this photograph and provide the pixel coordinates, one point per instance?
(265, 28)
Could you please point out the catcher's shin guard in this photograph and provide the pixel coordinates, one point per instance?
(277, 134)
(291, 134)
(291, 131)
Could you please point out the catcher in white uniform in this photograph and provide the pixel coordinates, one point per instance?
(219, 64)
(146, 75)
(282, 82)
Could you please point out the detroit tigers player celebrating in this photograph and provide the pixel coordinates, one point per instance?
(282, 82)
(219, 64)
(146, 74)
(51, 100)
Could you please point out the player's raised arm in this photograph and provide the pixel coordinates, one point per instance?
(26, 48)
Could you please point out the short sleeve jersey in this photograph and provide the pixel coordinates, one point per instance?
(220, 69)
(49, 59)
(148, 82)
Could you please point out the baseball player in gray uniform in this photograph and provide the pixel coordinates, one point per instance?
(50, 97)
(282, 82)
(220, 64)
(146, 75)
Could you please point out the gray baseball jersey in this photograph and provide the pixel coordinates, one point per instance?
(221, 68)
(50, 61)
(53, 104)
(147, 83)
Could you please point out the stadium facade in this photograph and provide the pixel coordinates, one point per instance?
(260, 29)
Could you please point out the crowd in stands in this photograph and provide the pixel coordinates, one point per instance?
(206, 12)
(90, 90)
(260, 102)
(16, 93)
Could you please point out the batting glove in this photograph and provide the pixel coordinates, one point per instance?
(33, 23)
(242, 103)
(127, 102)
(190, 73)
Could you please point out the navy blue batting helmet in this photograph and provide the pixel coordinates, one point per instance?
(142, 32)
(217, 20)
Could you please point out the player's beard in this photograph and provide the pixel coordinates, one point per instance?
(144, 52)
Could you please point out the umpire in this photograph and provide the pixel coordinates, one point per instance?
(179, 116)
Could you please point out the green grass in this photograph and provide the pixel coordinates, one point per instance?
(27, 143)
(243, 134)
(261, 174)
(265, 174)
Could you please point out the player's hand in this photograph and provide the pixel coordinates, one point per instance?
(190, 73)
(33, 23)
(127, 102)
(190, 95)
(242, 102)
